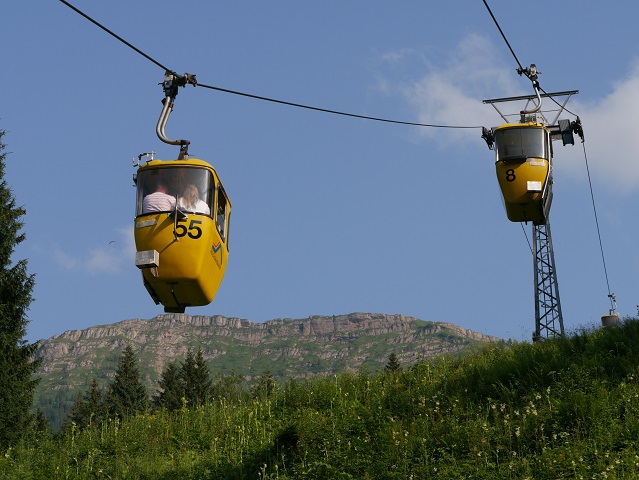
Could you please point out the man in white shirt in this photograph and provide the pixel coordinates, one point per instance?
(158, 201)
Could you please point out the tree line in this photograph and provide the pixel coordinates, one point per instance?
(182, 384)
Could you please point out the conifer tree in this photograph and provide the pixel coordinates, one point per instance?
(17, 365)
(126, 395)
(196, 379)
(40, 422)
(393, 364)
(171, 391)
(88, 408)
(94, 401)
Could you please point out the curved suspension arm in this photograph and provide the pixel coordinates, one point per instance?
(532, 74)
(170, 86)
(538, 106)
(164, 117)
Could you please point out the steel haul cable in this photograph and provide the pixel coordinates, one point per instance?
(259, 97)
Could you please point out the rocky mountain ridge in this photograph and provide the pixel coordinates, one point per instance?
(287, 348)
(171, 335)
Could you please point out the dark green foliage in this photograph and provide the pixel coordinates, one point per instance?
(171, 389)
(17, 385)
(229, 388)
(196, 381)
(88, 408)
(40, 422)
(393, 364)
(56, 406)
(126, 395)
(188, 385)
(266, 386)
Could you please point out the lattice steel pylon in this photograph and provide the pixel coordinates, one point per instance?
(549, 322)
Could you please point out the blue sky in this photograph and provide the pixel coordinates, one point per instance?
(331, 215)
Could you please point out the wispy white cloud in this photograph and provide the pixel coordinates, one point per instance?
(612, 142)
(65, 260)
(453, 84)
(110, 257)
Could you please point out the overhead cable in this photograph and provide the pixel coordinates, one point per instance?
(259, 97)
(521, 68)
(594, 208)
(115, 35)
(504, 37)
(336, 112)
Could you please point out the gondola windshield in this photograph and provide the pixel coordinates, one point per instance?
(521, 143)
(192, 188)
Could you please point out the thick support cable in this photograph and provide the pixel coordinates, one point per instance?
(114, 35)
(258, 97)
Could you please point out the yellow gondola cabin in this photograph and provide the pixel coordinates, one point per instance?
(181, 231)
(524, 170)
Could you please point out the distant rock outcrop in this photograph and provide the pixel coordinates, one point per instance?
(317, 345)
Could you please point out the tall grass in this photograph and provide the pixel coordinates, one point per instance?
(567, 408)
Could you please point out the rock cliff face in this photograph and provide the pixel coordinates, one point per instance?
(285, 347)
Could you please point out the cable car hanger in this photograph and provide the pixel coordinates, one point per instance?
(532, 73)
(170, 85)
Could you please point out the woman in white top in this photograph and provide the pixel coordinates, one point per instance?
(190, 201)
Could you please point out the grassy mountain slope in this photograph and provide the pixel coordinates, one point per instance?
(566, 408)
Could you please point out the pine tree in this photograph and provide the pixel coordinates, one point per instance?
(393, 365)
(87, 409)
(94, 401)
(126, 396)
(40, 422)
(17, 365)
(171, 391)
(77, 414)
(196, 379)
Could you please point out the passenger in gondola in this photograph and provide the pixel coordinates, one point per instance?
(190, 201)
(158, 201)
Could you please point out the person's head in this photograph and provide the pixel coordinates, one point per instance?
(191, 195)
(161, 187)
